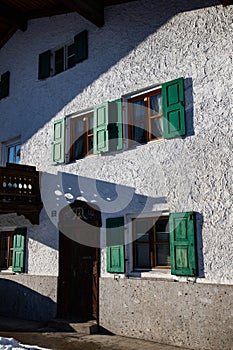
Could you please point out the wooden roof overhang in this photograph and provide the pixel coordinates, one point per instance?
(14, 14)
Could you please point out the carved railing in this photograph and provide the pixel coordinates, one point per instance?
(20, 191)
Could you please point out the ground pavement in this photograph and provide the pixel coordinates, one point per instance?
(51, 337)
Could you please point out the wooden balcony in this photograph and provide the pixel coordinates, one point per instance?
(20, 191)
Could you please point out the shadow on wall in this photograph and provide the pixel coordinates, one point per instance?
(129, 32)
(20, 301)
(113, 200)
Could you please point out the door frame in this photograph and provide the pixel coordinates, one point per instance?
(69, 221)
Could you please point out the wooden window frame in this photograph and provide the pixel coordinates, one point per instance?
(87, 133)
(66, 56)
(10, 236)
(5, 146)
(15, 152)
(152, 244)
(146, 96)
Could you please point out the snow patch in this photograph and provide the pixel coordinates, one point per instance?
(12, 344)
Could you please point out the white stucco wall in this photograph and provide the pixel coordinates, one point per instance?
(142, 43)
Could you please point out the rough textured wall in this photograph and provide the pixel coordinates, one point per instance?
(141, 44)
(182, 314)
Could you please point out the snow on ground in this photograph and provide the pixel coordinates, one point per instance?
(12, 344)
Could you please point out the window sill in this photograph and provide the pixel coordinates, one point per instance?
(6, 271)
(138, 145)
(156, 273)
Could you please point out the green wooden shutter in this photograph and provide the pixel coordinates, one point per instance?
(81, 46)
(115, 245)
(173, 108)
(115, 125)
(5, 85)
(101, 113)
(58, 143)
(182, 244)
(18, 259)
(44, 65)
(108, 133)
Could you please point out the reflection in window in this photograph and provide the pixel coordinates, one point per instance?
(146, 117)
(151, 243)
(13, 154)
(6, 249)
(81, 136)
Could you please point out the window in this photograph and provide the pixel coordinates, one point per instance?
(5, 85)
(115, 249)
(57, 60)
(11, 151)
(151, 245)
(155, 114)
(64, 58)
(6, 249)
(81, 136)
(146, 117)
(12, 249)
(13, 154)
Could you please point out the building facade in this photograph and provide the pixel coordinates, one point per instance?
(130, 127)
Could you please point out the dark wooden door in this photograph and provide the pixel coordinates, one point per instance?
(78, 280)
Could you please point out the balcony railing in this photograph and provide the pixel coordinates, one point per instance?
(20, 191)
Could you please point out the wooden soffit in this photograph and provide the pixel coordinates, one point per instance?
(14, 14)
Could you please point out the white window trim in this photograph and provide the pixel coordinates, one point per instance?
(65, 47)
(4, 148)
(130, 270)
(125, 116)
(68, 119)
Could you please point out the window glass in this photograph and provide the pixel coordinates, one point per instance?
(81, 136)
(145, 117)
(6, 249)
(59, 61)
(90, 126)
(156, 128)
(90, 144)
(70, 56)
(138, 110)
(163, 255)
(151, 242)
(17, 154)
(13, 154)
(142, 255)
(156, 104)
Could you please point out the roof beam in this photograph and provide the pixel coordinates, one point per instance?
(13, 17)
(92, 10)
(226, 2)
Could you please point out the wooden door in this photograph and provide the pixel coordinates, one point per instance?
(78, 280)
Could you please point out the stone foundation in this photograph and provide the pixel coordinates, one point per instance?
(194, 315)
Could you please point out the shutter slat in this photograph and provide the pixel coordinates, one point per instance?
(44, 65)
(18, 258)
(5, 85)
(108, 133)
(173, 108)
(101, 134)
(58, 154)
(182, 244)
(81, 46)
(115, 245)
(117, 130)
